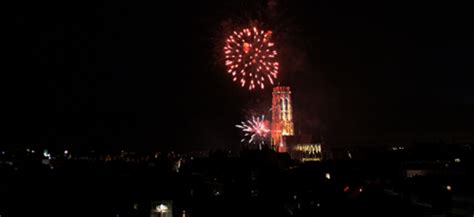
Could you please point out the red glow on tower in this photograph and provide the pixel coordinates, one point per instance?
(282, 117)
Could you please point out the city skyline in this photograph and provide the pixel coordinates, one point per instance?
(237, 108)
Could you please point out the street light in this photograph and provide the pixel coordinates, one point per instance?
(328, 176)
(162, 209)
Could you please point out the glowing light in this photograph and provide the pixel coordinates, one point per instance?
(309, 148)
(328, 176)
(246, 47)
(255, 50)
(46, 154)
(346, 189)
(309, 159)
(256, 128)
(161, 208)
(448, 188)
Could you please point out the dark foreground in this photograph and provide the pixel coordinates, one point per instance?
(256, 183)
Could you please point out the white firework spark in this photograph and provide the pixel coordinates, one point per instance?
(255, 130)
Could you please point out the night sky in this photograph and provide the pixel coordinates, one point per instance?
(117, 74)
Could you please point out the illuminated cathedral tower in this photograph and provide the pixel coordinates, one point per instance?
(282, 117)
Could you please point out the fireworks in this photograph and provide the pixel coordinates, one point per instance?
(256, 128)
(250, 57)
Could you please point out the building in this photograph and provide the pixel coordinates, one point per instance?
(282, 117)
(304, 148)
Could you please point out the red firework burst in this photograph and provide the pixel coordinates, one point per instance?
(250, 57)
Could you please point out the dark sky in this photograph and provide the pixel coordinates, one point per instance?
(140, 75)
